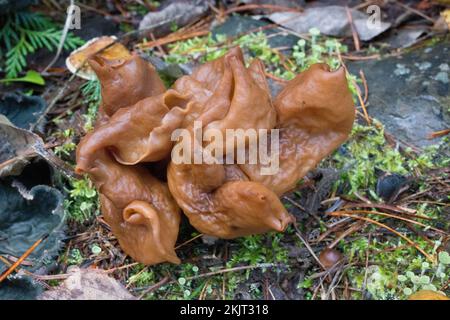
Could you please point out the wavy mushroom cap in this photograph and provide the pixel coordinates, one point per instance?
(139, 133)
(229, 95)
(316, 114)
(125, 81)
(139, 209)
(222, 208)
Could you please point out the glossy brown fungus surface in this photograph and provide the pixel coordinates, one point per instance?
(132, 144)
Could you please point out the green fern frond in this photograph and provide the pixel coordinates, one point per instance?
(8, 34)
(15, 58)
(33, 21)
(23, 33)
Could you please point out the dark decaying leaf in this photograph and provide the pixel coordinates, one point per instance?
(27, 213)
(23, 111)
(19, 288)
(25, 217)
(18, 146)
(331, 21)
(177, 13)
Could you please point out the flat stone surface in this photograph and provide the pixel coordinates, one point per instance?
(409, 94)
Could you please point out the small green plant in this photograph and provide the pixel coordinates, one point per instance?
(319, 49)
(430, 277)
(141, 278)
(82, 203)
(91, 91)
(68, 146)
(75, 257)
(23, 33)
(257, 249)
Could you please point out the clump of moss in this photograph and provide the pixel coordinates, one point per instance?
(82, 203)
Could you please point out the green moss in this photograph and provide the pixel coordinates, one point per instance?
(82, 203)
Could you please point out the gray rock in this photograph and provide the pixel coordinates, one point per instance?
(410, 94)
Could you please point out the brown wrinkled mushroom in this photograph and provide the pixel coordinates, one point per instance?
(218, 206)
(125, 81)
(315, 115)
(216, 198)
(230, 96)
(139, 208)
(139, 133)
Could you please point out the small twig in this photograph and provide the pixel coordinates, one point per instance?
(354, 32)
(22, 258)
(366, 87)
(387, 228)
(347, 232)
(65, 30)
(154, 287)
(415, 11)
(188, 241)
(261, 6)
(299, 235)
(438, 134)
(366, 269)
(361, 101)
(296, 204)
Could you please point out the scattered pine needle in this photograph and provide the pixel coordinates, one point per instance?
(395, 217)
(22, 258)
(190, 240)
(270, 7)
(354, 32)
(340, 214)
(438, 134)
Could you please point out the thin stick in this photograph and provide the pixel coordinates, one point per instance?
(308, 247)
(347, 232)
(391, 230)
(395, 217)
(65, 30)
(361, 101)
(352, 26)
(415, 11)
(22, 258)
(190, 240)
(438, 134)
(154, 287)
(366, 87)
